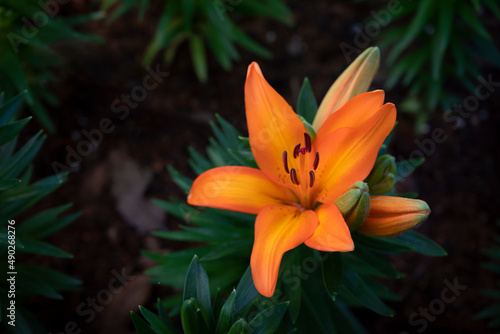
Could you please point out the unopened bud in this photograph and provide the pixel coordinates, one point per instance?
(194, 318)
(354, 204)
(391, 216)
(383, 175)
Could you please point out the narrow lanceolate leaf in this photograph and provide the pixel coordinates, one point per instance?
(264, 324)
(194, 317)
(226, 315)
(198, 57)
(332, 274)
(306, 103)
(354, 287)
(246, 291)
(140, 325)
(196, 286)
(406, 167)
(156, 323)
(240, 327)
(11, 130)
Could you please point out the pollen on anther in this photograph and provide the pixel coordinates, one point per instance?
(285, 161)
(316, 161)
(307, 140)
(296, 151)
(293, 176)
(312, 177)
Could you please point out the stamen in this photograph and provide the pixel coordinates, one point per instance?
(316, 161)
(293, 176)
(312, 177)
(296, 151)
(285, 162)
(307, 139)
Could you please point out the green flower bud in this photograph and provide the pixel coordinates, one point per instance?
(383, 175)
(240, 327)
(354, 204)
(194, 318)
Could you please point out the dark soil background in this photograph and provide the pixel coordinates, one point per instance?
(112, 185)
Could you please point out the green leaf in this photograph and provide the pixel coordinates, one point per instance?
(406, 167)
(194, 317)
(43, 248)
(196, 286)
(140, 325)
(425, 9)
(421, 244)
(469, 16)
(240, 327)
(226, 315)
(198, 57)
(353, 286)
(11, 130)
(242, 39)
(442, 36)
(332, 274)
(246, 291)
(306, 103)
(156, 323)
(264, 324)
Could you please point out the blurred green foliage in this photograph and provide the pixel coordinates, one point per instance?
(436, 48)
(203, 24)
(492, 312)
(28, 29)
(18, 238)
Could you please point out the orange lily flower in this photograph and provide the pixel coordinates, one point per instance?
(298, 179)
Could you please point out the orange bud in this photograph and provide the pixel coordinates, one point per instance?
(353, 81)
(391, 216)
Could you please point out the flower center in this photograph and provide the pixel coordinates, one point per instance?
(299, 154)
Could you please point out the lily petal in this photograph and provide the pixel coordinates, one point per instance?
(354, 113)
(347, 155)
(391, 216)
(278, 228)
(353, 81)
(273, 126)
(332, 234)
(236, 188)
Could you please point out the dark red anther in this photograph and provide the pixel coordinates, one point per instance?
(293, 176)
(312, 177)
(307, 140)
(296, 151)
(316, 161)
(285, 162)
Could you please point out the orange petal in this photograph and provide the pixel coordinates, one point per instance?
(237, 188)
(353, 81)
(332, 234)
(277, 230)
(359, 109)
(391, 216)
(347, 155)
(273, 127)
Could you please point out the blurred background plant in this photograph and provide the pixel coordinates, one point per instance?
(17, 195)
(436, 49)
(492, 312)
(28, 29)
(203, 24)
